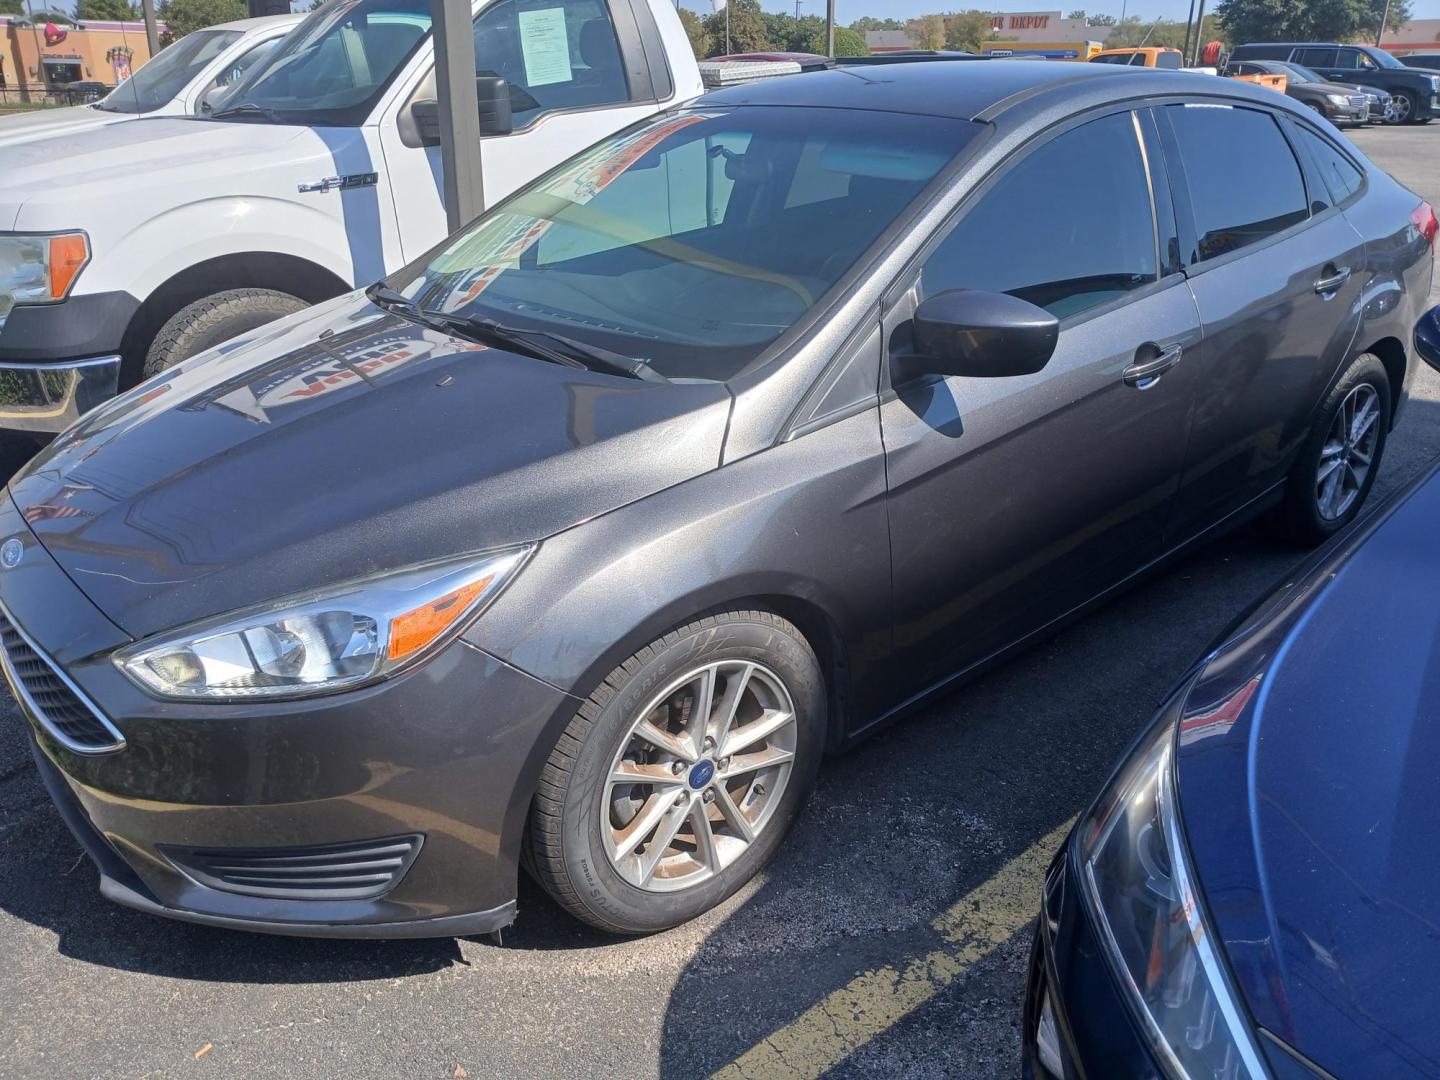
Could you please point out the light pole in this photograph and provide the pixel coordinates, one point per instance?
(1384, 18)
(829, 27)
(460, 177)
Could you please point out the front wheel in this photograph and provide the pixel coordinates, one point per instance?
(213, 320)
(1339, 461)
(1403, 107)
(679, 777)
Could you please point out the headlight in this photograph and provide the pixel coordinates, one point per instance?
(1337, 99)
(1435, 83)
(322, 642)
(36, 269)
(1139, 888)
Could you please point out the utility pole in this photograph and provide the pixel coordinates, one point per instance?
(829, 27)
(1199, 33)
(152, 35)
(1189, 18)
(1380, 30)
(462, 183)
(727, 27)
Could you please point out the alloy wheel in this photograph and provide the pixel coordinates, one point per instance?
(699, 775)
(1348, 452)
(1398, 111)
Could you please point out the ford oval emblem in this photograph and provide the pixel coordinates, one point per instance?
(11, 553)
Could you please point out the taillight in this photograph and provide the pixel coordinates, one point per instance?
(1423, 218)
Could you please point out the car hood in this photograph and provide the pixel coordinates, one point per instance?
(1309, 752)
(42, 123)
(338, 443)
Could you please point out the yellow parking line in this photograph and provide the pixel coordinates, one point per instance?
(874, 1001)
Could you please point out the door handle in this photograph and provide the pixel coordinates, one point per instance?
(1143, 374)
(1333, 282)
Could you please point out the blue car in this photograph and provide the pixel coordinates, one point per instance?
(1256, 893)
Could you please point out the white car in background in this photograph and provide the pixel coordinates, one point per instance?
(179, 81)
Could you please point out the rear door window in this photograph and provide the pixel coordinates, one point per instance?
(1244, 182)
(1315, 58)
(1168, 60)
(1342, 176)
(554, 54)
(1068, 228)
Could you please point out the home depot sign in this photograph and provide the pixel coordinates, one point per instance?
(1037, 26)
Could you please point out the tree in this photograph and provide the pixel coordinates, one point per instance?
(847, 42)
(967, 31)
(1099, 20)
(747, 29)
(184, 16)
(928, 31)
(869, 22)
(105, 10)
(694, 30)
(12, 7)
(1314, 20)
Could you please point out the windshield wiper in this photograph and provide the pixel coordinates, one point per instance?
(539, 344)
(245, 109)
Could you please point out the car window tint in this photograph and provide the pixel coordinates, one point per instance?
(1350, 59)
(1315, 57)
(697, 238)
(1067, 228)
(1341, 175)
(554, 54)
(1244, 182)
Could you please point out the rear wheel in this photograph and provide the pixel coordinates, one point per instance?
(1339, 461)
(213, 320)
(679, 777)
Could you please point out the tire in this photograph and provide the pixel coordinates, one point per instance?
(1304, 515)
(215, 319)
(1405, 107)
(567, 851)
(1318, 110)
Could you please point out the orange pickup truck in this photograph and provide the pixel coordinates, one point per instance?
(1163, 56)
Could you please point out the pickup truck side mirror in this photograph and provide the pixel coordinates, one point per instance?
(982, 334)
(493, 96)
(208, 100)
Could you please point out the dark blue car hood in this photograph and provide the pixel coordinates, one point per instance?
(342, 442)
(1309, 779)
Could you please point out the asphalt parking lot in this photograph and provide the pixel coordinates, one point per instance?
(889, 938)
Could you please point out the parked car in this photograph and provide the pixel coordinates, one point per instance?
(1415, 90)
(1422, 60)
(588, 532)
(177, 82)
(1253, 894)
(1339, 104)
(131, 247)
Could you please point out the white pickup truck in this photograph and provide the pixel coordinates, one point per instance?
(126, 248)
(180, 81)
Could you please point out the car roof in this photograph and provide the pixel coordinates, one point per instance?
(264, 22)
(955, 91)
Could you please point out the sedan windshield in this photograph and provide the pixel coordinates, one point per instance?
(1302, 74)
(693, 241)
(156, 83)
(333, 67)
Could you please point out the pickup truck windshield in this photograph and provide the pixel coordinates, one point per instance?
(690, 242)
(156, 84)
(333, 67)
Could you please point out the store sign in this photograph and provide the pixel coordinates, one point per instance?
(1003, 23)
(54, 35)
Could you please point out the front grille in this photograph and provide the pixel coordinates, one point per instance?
(1359, 100)
(356, 871)
(52, 698)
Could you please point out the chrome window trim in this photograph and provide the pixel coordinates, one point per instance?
(17, 687)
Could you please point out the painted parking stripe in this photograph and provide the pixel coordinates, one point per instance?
(874, 1001)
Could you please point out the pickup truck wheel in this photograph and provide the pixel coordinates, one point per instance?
(214, 319)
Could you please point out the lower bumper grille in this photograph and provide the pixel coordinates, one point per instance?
(357, 871)
(52, 698)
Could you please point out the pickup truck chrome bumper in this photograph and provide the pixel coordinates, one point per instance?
(49, 397)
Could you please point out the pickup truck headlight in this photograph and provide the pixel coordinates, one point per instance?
(1138, 885)
(39, 268)
(322, 642)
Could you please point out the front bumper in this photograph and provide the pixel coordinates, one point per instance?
(48, 398)
(1347, 114)
(447, 752)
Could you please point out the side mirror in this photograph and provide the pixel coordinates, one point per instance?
(208, 99)
(983, 334)
(493, 98)
(1427, 337)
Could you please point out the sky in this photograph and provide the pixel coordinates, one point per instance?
(847, 11)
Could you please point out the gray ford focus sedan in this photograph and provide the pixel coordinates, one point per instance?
(578, 543)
